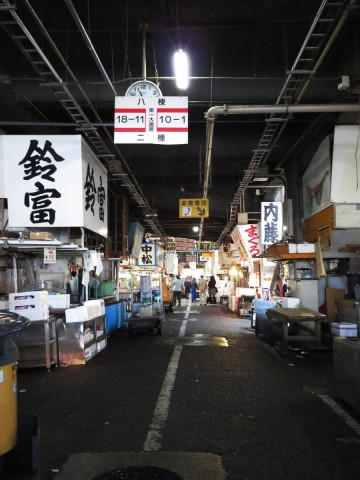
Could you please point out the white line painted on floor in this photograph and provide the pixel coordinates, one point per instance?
(153, 440)
(351, 422)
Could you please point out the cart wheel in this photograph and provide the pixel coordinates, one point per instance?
(158, 329)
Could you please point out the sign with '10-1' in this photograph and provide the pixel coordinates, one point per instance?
(160, 120)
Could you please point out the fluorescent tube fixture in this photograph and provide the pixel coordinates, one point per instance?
(181, 66)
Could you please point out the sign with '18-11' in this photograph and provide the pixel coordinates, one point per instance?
(160, 120)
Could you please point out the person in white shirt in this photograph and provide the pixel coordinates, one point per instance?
(177, 288)
(202, 290)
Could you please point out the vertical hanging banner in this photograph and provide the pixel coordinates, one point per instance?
(147, 257)
(159, 120)
(271, 222)
(251, 237)
(53, 181)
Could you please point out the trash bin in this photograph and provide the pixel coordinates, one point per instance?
(11, 325)
(262, 326)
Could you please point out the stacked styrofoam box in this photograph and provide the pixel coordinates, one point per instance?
(77, 314)
(59, 300)
(344, 329)
(306, 248)
(31, 305)
(290, 302)
(145, 310)
(95, 308)
(101, 345)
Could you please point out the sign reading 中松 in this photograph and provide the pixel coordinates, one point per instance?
(53, 181)
(147, 257)
(271, 222)
(194, 208)
(159, 120)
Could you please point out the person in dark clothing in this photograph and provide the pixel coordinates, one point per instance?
(187, 286)
(212, 289)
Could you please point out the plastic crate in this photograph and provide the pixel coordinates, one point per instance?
(105, 289)
(112, 318)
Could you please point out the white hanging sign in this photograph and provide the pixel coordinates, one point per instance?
(158, 120)
(251, 238)
(147, 257)
(53, 181)
(49, 255)
(271, 222)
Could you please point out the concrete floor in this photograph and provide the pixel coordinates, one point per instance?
(206, 408)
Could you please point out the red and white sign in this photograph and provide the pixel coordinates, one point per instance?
(157, 120)
(185, 244)
(251, 238)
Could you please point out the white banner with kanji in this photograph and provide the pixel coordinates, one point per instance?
(271, 222)
(53, 181)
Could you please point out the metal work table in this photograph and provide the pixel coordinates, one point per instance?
(297, 316)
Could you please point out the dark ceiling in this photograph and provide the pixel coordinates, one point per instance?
(240, 52)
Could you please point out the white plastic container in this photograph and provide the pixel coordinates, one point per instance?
(344, 329)
(145, 310)
(290, 302)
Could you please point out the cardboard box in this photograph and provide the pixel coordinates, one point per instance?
(306, 248)
(344, 329)
(40, 235)
(290, 302)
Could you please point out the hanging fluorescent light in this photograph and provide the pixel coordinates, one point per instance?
(181, 66)
(195, 229)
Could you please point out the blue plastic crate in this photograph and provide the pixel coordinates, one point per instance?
(112, 318)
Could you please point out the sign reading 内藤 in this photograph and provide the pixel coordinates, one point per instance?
(271, 222)
(194, 208)
(158, 120)
(53, 181)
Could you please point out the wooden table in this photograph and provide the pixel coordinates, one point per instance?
(296, 316)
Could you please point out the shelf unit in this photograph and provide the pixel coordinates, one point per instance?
(76, 346)
(37, 344)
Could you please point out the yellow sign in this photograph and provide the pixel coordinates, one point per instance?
(207, 255)
(194, 208)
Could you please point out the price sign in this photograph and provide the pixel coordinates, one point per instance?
(160, 120)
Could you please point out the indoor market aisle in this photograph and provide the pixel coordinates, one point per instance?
(207, 400)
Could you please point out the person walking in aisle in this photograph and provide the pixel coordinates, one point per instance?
(212, 289)
(202, 290)
(177, 288)
(193, 290)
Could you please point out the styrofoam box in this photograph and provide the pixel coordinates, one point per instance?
(4, 305)
(77, 314)
(39, 295)
(344, 329)
(101, 345)
(59, 301)
(25, 306)
(145, 310)
(290, 302)
(34, 314)
(306, 248)
(292, 248)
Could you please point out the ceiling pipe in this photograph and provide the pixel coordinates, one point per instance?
(214, 112)
(89, 44)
